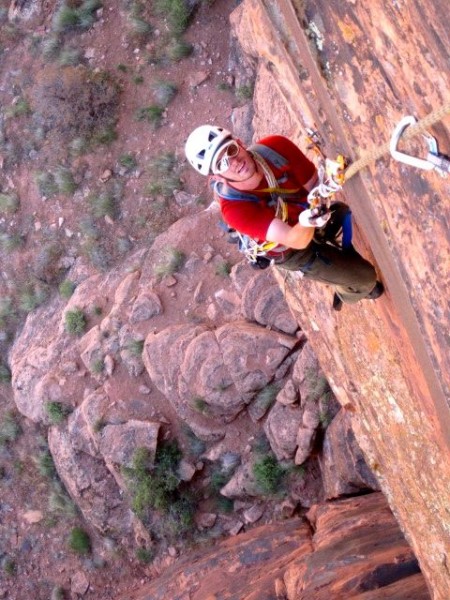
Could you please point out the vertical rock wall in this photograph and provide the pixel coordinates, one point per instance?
(352, 71)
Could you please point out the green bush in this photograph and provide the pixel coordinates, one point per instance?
(176, 13)
(171, 263)
(66, 288)
(156, 486)
(9, 203)
(5, 374)
(75, 321)
(79, 541)
(97, 366)
(178, 49)
(56, 412)
(153, 114)
(10, 428)
(46, 183)
(64, 181)
(164, 92)
(9, 566)
(103, 204)
(145, 555)
(268, 474)
(266, 398)
(128, 161)
(223, 269)
(10, 241)
(164, 175)
(32, 296)
(135, 347)
(46, 466)
(76, 103)
(20, 108)
(68, 18)
(59, 502)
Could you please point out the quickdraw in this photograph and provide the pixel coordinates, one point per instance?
(331, 175)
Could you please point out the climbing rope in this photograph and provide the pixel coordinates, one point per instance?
(420, 127)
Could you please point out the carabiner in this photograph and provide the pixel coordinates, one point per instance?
(413, 161)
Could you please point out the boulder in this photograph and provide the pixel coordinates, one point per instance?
(216, 372)
(343, 466)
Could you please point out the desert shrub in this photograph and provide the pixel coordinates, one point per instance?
(164, 92)
(51, 48)
(177, 49)
(163, 171)
(175, 12)
(10, 428)
(75, 321)
(45, 264)
(223, 269)
(98, 254)
(79, 541)
(64, 180)
(45, 464)
(153, 114)
(56, 412)
(135, 347)
(158, 487)
(103, 204)
(105, 136)
(9, 566)
(199, 404)
(69, 17)
(128, 161)
(145, 555)
(171, 263)
(74, 103)
(266, 397)
(97, 366)
(58, 593)
(46, 183)
(19, 108)
(31, 296)
(9, 203)
(6, 309)
(69, 57)
(10, 241)
(78, 146)
(244, 92)
(5, 373)
(139, 29)
(59, 502)
(268, 474)
(66, 288)
(195, 445)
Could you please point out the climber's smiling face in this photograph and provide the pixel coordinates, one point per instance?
(234, 162)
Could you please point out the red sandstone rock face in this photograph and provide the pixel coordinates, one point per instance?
(362, 70)
(348, 549)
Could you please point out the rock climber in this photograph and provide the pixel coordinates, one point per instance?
(262, 193)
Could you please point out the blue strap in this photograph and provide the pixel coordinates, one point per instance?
(347, 230)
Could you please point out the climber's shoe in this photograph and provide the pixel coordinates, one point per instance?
(337, 303)
(377, 291)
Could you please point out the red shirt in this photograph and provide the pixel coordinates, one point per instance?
(253, 218)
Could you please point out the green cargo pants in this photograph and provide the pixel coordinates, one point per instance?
(352, 276)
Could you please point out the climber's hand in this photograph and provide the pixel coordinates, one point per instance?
(315, 217)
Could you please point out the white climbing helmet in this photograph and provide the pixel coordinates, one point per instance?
(202, 144)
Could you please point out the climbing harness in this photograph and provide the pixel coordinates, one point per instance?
(252, 249)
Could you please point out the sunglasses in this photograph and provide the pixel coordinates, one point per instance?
(231, 150)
